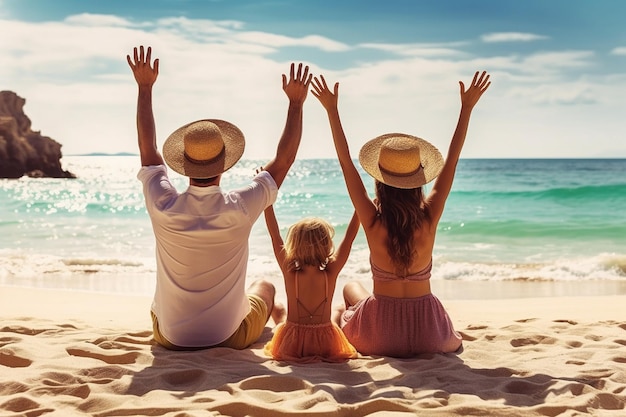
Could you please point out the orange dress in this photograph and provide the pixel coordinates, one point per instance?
(306, 343)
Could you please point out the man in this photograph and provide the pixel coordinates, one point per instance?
(202, 234)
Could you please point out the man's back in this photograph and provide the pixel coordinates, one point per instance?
(202, 253)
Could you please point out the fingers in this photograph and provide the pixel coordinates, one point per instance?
(301, 76)
(306, 77)
(320, 86)
(324, 82)
(141, 56)
(156, 66)
(298, 75)
(480, 81)
(483, 80)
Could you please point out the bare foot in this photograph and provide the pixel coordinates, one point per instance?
(279, 313)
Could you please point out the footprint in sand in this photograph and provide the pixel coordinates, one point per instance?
(526, 320)
(185, 377)
(572, 322)
(274, 383)
(22, 330)
(113, 358)
(476, 327)
(466, 337)
(9, 359)
(527, 387)
(25, 406)
(120, 350)
(8, 340)
(75, 390)
(533, 340)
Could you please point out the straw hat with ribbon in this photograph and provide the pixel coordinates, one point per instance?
(204, 148)
(400, 160)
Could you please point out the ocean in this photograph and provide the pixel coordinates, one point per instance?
(561, 221)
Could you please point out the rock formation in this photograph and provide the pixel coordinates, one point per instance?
(22, 151)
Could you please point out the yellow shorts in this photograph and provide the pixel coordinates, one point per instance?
(246, 334)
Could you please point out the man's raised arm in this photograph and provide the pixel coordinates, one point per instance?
(296, 89)
(145, 75)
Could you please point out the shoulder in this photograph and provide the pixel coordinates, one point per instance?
(148, 172)
(266, 179)
(261, 184)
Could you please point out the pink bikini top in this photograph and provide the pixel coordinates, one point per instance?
(384, 276)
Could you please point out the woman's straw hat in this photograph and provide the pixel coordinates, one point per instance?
(400, 160)
(204, 148)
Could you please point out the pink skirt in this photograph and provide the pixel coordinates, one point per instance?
(400, 327)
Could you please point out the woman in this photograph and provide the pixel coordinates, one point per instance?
(402, 318)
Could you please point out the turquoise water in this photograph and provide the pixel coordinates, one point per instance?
(559, 220)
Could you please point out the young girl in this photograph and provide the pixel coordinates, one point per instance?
(310, 268)
(402, 317)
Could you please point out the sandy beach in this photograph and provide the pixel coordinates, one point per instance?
(67, 353)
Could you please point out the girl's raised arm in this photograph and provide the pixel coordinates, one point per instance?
(343, 249)
(274, 231)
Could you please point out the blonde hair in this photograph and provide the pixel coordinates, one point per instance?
(309, 242)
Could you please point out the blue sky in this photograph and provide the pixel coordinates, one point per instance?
(558, 69)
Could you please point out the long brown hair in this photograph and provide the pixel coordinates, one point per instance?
(402, 212)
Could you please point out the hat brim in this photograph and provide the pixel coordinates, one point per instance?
(431, 159)
(174, 151)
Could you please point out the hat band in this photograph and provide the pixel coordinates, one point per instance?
(204, 161)
(401, 174)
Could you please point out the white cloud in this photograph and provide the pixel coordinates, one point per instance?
(88, 19)
(417, 50)
(281, 41)
(553, 61)
(80, 91)
(619, 50)
(511, 37)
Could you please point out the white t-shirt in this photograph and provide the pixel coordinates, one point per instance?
(202, 254)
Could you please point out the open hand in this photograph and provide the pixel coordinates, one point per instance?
(144, 73)
(479, 85)
(298, 85)
(323, 93)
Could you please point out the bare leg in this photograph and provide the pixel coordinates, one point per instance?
(353, 292)
(266, 291)
(279, 313)
(335, 315)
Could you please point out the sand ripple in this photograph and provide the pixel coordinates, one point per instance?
(530, 367)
